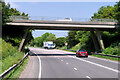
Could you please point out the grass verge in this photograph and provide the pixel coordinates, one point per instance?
(17, 71)
(99, 56)
(107, 57)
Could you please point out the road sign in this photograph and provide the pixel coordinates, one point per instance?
(66, 44)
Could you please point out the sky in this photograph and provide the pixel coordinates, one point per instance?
(75, 10)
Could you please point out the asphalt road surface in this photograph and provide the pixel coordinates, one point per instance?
(58, 64)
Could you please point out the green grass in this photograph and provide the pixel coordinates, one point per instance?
(10, 55)
(67, 50)
(99, 56)
(17, 71)
(107, 57)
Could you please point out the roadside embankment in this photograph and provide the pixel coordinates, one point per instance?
(9, 56)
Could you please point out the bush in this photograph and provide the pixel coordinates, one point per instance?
(64, 47)
(10, 55)
(76, 47)
(112, 50)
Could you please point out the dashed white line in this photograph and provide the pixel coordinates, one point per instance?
(75, 69)
(117, 71)
(67, 63)
(39, 76)
(61, 60)
(96, 64)
(88, 77)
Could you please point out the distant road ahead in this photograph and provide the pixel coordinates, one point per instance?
(54, 63)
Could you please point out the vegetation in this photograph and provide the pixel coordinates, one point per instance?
(82, 39)
(111, 38)
(17, 71)
(107, 57)
(10, 34)
(71, 39)
(11, 38)
(60, 42)
(10, 55)
(45, 37)
(112, 50)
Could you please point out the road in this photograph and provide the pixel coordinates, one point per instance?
(58, 64)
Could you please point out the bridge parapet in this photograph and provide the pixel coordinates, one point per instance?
(69, 19)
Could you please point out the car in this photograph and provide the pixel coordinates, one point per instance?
(81, 53)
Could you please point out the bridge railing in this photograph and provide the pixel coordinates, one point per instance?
(59, 19)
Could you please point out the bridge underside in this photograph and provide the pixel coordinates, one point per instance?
(81, 27)
(62, 25)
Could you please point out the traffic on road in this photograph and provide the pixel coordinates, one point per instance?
(53, 63)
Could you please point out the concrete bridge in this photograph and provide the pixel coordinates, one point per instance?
(66, 25)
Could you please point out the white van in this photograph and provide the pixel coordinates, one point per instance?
(49, 45)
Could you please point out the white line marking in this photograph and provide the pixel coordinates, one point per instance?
(88, 77)
(104, 59)
(93, 57)
(61, 60)
(67, 63)
(75, 69)
(96, 64)
(39, 76)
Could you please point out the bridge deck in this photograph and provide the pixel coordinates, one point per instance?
(62, 25)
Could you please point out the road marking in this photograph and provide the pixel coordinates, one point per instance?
(61, 60)
(88, 77)
(75, 69)
(39, 76)
(67, 63)
(96, 64)
(103, 59)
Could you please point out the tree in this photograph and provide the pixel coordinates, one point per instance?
(5, 12)
(71, 39)
(60, 42)
(51, 37)
(10, 34)
(45, 37)
(117, 11)
(104, 13)
(109, 12)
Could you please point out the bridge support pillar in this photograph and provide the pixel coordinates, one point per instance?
(94, 40)
(100, 40)
(23, 40)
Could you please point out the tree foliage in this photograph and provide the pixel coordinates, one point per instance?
(7, 11)
(109, 12)
(71, 40)
(11, 34)
(109, 37)
(60, 42)
(105, 13)
(45, 37)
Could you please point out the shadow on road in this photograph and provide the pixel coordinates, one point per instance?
(33, 54)
(51, 54)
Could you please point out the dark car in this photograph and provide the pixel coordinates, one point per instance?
(81, 53)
